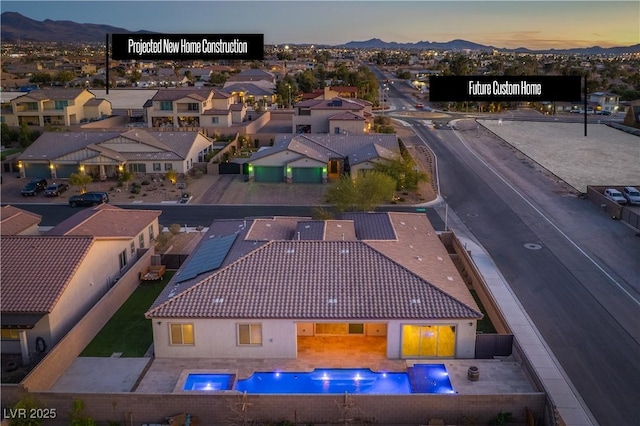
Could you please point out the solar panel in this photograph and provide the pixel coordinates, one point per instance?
(207, 257)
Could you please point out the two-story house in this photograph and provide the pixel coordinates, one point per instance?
(605, 101)
(193, 108)
(332, 115)
(57, 107)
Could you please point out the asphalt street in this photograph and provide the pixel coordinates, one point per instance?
(586, 312)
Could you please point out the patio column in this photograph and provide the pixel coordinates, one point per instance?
(103, 174)
(324, 175)
(289, 176)
(52, 167)
(24, 346)
(252, 176)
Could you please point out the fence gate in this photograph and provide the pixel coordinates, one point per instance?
(490, 345)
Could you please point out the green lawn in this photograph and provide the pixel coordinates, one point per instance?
(484, 325)
(128, 331)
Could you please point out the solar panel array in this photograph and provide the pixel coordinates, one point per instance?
(207, 257)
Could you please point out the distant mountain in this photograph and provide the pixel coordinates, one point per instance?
(16, 26)
(376, 43)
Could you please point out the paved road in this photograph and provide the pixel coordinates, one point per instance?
(194, 215)
(587, 313)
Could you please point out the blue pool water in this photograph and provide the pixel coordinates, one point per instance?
(421, 378)
(208, 382)
(327, 381)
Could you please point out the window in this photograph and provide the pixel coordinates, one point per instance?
(249, 334)
(215, 120)
(138, 168)
(168, 166)
(336, 130)
(141, 240)
(61, 104)
(192, 107)
(151, 236)
(181, 334)
(166, 106)
(133, 249)
(123, 259)
(46, 119)
(428, 341)
(31, 106)
(10, 334)
(157, 167)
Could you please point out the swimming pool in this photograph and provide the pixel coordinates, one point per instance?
(361, 381)
(421, 378)
(208, 382)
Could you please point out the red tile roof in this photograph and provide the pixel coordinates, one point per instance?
(107, 221)
(13, 220)
(36, 270)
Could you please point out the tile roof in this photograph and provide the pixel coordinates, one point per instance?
(346, 116)
(37, 269)
(13, 220)
(175, 94)
(252, 89)
(323, 147)
(370, 152)
(53, 94)
(306, 278)
(169, 145)
(107, 221)
(313, 280)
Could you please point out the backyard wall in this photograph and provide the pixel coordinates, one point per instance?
(54, 364)
(132, 409)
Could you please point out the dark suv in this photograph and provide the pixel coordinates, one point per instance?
(89, 199)
(36, 185)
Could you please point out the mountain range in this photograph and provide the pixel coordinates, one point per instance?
(15, 26)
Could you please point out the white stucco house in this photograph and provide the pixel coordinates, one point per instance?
(105, 154)
(253, 287)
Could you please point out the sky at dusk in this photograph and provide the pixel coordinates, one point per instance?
(510, 24)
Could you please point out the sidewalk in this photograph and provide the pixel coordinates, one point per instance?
(556, 383)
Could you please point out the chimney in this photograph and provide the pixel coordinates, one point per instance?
(326, 92)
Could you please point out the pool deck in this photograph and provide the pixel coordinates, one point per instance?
(496, 376)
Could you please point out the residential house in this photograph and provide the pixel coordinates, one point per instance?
(335, 115)
(253, 288)
(15, 221)
(57, 107)
(50, 281)
(193, 108)
(105, 154)
(255, 76)
(606, 101)
(317, 158)
(251, 93)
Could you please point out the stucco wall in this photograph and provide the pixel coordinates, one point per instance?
(218, 339)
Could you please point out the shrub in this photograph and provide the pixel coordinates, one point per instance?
(135, 189)
(198, 174)
(175, 228)
(145, 182)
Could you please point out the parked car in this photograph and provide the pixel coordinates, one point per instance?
(34, 186)
(419, 106)
(615, 195)
(631, 194)
(603, 112)
(88, 199)
(55, 189)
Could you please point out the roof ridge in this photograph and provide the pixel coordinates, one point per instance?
(435, 287)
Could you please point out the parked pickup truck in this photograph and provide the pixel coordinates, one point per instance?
(152, 273)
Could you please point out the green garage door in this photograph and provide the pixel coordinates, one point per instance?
(307, 174)
(37, 170)
(269, 174)
(63, 171)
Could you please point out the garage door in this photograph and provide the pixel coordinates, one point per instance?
(269, 174)
(37, 170)
(307, 174)
(63, 171)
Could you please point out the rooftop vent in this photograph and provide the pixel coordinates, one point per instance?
(332, 301)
